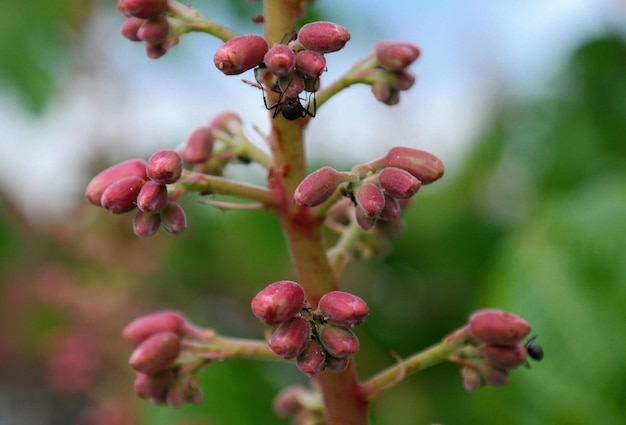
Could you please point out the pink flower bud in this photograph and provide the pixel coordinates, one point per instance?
(145, 326)
(498, 327)
(97, 185)
(323, 37)
(144, 9)
(401, 80)
(183, 391)
(199, 145)
(337, 364)
(363, 220)
(130, 28)
(338, 341)
(152, 197)
(287, 403)
(291, 85)
(155, 353)
(395, 56)
(146, 224)
(505, 356)
(310, 62)
(424, 166)
(121, 196)
(227, 121)
(398, 182)
(291, 338)
(370, 199)
(173, 219)
(165, 166)
(240, 54)
(278, 302)
(472, 379)
(392, 208)
(152, 386)
(280, 60)
(494, 376)
(343, 309)
(311, 361)
(155, 51)
(318, 186)
(154, 30)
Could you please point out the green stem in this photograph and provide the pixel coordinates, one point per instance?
(222, 347)
(194, 22)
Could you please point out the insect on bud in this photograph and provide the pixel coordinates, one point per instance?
(280, 60)
(323, 37)
(146, 224)
(155, 353)
(498, 327)
(370, 199)
(398, 182)
(97, 185)
(343, 309)
(173, 219)
(152, 197)
(338, 341)
(394, 55)
(121, 196)
(318, 186)
(278, 302)
(240, 54)
(291, 338)
(165, 167)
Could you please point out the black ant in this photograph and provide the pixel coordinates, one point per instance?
(534, 350)
(290, 107)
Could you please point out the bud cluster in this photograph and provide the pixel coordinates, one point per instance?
(136, 183)
(378, 189)
(392, 59)
(496, 347)
(147, 21)
(318, 339)
(157, 339)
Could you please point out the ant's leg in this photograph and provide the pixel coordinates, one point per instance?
(307, 111)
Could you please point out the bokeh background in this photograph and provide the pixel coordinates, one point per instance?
(524, 101)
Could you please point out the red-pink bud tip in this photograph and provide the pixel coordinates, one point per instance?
(97, 185)
(498, 327)
(278, 302)
(165, 166)
(343, 309)
(323, 37)
(291, 338)
(240, 54)
(155, 353)
(394, 55)
(145, 326)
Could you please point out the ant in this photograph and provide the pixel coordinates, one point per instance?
(290, 107)
(534, 350)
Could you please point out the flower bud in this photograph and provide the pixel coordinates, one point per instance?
(392, 208)
(291, 85)
(338, 341)
(398, 182)
(323, 37)
(424, 166)
(343, 309)
(155, 51)
(173, 219)
(184, 391)
(278, 302)
(318, 186)
(154, 30)
(287, 403)
(505, 356)
(240, 54)
(146, 224)
(370, 199)
(280, 60)
(291, 338)
(363, 220)
(337, 364)
(98, 184)
(310, 62)
(472, 379)
(311, 361)
(145, 326)
(152, 197)
(121, 196)
(144, 9)
(498, 327)
(152, 386)
(199, 145)
(494, 376)
(165, 166)
(401, 80)
(227, 121)
(395, 56)
(384, 93)
(130, 28)
(155, 353)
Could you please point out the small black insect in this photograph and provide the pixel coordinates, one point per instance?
(534, 350)
(291, 108)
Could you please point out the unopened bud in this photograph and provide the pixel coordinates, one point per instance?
(370, 199)
(173, 219)
(394, 55)
(144, 9)
(152, 386)
(424, 166)
(152, 197)
(148, 325)
(398, 183)
(318, 186)
(199, 145)
(310, 62)
(392, 209)
(363, 220)
(165, 166)
(146, 224)
(498, 327)
(323, 37)
(280, 60)
(291, 85)
(291, 338)
(494, 376)
(343, 309)
(311, 361)
(121, 196)
(278, 302)
(401, 80)
(287, 403)
(472, 379)
(155, 51)
(183, 391)
(338, 341)
(154, 30)
(130, 28)
(337, 364)
(384, 93)
(97, 185)
(240, 54)
(227, 121)
(155, 353)
(505, 356)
